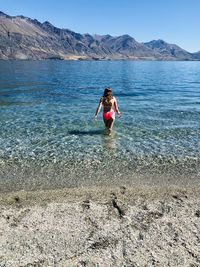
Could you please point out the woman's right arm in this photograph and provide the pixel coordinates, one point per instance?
(98, 108)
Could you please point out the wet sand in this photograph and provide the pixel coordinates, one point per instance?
(135, 226)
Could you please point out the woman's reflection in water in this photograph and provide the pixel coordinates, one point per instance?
(109, 141)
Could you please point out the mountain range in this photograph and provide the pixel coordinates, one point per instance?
(25, 38)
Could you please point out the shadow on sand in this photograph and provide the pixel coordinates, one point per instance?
(108, 141)
(84, 132)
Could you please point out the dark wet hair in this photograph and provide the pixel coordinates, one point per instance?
(107, 92)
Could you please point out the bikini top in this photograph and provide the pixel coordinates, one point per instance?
(106, 102)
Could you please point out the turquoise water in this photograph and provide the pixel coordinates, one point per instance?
(48, 138)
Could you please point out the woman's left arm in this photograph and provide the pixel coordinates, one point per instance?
(116, 107)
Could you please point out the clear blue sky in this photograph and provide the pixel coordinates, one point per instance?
(175, 21)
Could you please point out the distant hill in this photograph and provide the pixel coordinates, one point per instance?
(169, 50)
(196, 55)
(25, 38)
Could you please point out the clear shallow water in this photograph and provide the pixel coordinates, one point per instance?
(49, 140)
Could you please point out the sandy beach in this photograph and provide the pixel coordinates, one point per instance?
(142, 226)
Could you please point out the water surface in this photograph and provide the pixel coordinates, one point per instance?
(49, 140)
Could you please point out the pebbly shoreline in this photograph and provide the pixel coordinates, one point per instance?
(141, 226)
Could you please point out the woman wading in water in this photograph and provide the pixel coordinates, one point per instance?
(109, 103)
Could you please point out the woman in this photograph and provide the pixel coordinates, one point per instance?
(109, 103)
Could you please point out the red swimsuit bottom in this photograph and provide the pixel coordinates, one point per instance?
(108, 115)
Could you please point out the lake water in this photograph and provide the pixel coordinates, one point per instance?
(48, 138)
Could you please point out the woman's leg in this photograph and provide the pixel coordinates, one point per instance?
(106, 123)
(109, 124)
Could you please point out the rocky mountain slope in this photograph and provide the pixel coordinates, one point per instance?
(25, 38)
(169, 50)
(196, 56)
